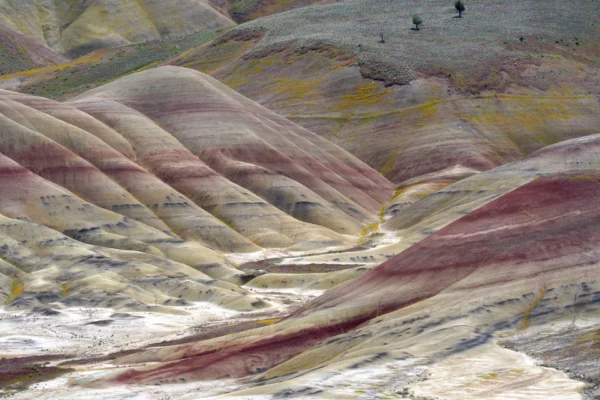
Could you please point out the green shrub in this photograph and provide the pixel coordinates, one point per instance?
(460, 7)
(416, 20)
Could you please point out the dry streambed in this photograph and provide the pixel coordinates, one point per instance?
(42, 349)
(49, 353)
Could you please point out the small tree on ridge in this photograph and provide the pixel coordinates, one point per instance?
(460, 7)
(416, 20)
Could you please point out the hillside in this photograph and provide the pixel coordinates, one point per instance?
(21, 53)
(73, 28)
(322, 202)
(522, 266)
(157, 176)
(247, 10)
(67, 79)
(476, 92)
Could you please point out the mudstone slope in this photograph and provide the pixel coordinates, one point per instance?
(73, 28)
(524, 265)
(473, 275)
(21, 53)
(473, 92)
(136, 192)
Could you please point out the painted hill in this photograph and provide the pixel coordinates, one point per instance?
(21, 53)
(525, 262)
(74, 28)
(414, 217)
(475, 92)
(137, 189)
(247, 10)
(504, 85)
(99, 67)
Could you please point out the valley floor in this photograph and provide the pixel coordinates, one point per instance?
(485, 372)
(94, 336)
(37, 345)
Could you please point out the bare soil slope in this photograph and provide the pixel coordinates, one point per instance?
(526, 263)
(473, 92)
(135, 192)
(74, 28)
(21, 53)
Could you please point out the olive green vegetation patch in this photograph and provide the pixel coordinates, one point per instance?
(80, 77)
